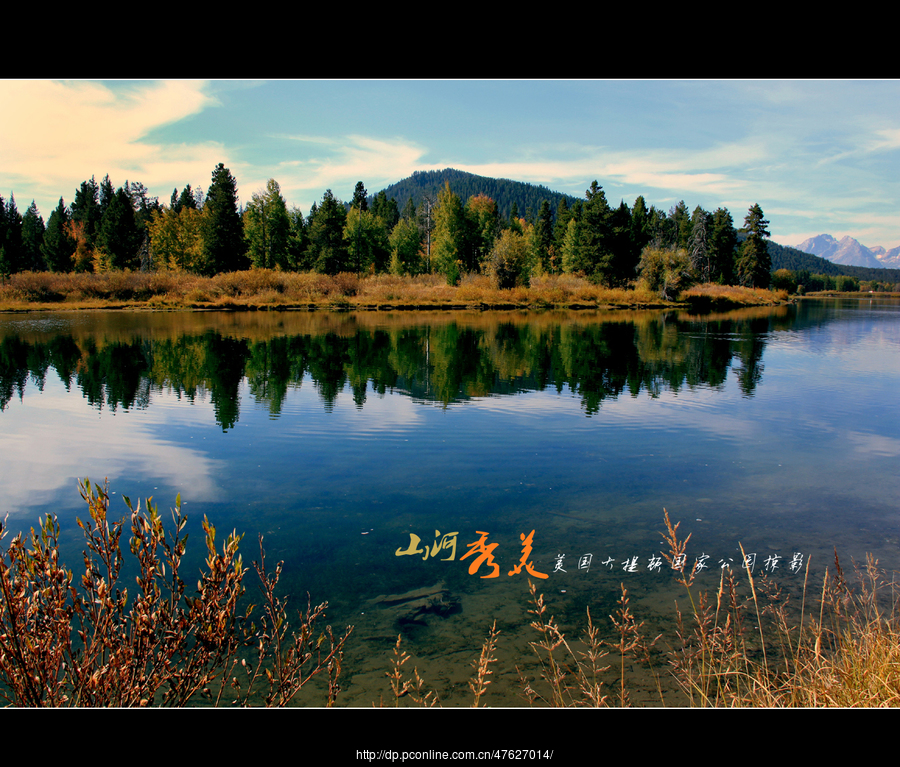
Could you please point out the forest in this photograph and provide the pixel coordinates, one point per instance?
(452, 229)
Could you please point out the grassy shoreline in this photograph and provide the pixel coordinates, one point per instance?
(263, 289)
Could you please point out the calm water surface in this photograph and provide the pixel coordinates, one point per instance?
(352, 441)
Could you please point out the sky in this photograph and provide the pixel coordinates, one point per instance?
(819, 156)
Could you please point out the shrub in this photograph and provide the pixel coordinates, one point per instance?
(88, 641)
(508, 264)
(666, 271)
(36, 287)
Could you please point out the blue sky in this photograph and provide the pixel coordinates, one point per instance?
(818, 156)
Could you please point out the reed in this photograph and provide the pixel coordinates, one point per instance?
(743, 645)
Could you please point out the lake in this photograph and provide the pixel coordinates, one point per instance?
(462, 454)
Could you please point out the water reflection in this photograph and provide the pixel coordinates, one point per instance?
(446, 359)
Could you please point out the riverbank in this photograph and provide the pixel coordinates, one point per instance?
(263, 289)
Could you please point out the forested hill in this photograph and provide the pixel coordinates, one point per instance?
(784, 257)
(504, 192)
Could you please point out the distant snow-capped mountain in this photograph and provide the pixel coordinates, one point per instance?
(850, 252)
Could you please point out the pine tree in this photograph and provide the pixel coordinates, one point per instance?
(543, 234)
(297, 241)
(625, 256)
(32, 238)
(698, 246)
(386, 210)
(58, 245)
(118, 239)
(326, 251)
(107, 193)
(366, 241)
(86, 210)
(722, 244)
(753, 264)
(11, 251)
(223, 239)
(595, 258)
(360, 197)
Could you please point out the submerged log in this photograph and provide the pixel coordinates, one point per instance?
(422, 593)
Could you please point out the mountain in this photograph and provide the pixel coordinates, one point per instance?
(503, 191)
(889, 258)
(850, 252)
(784, 257)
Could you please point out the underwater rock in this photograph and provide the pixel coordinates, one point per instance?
(413, 608)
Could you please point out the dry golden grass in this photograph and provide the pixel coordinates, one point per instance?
(266, 288)
(734, 295)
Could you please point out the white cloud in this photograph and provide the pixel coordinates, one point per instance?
(56, 134)
(712, 171)
(888, 138)
(341, 162)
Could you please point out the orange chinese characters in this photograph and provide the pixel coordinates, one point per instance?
(486, 555)
(448, 541)
(523, 562)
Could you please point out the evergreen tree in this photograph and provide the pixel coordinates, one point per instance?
(143, 205)
(187, 198)
(86, 210)
(640, 224)
(386, 210)
(625, 256)
(327, 251)
(560, 227)
(657, 227)
(698, 246)
(543, 235)
(11, 251)
(119, 238)
(366, 241)
(679, 226)
(297, 241)
(58, 245)
(107, 193)
(722, 244)
(32, 238)
(753, 265)
(409, 211)
(360, 197)
(223, 239)
(595, 257)
(513, 215)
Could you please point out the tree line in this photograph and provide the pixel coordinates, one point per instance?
(107, 228)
